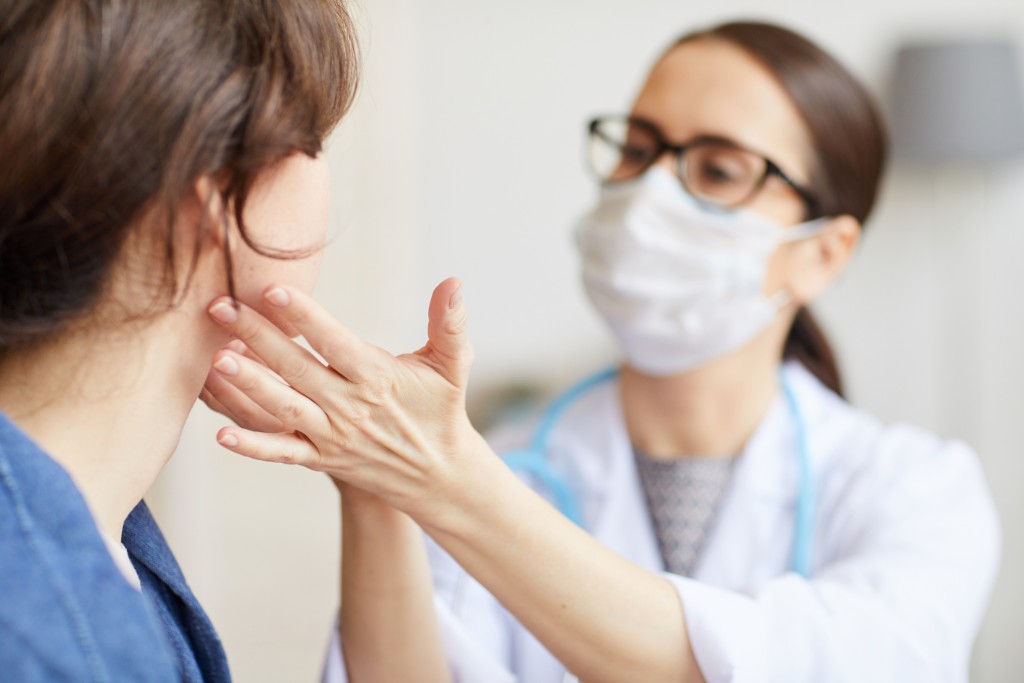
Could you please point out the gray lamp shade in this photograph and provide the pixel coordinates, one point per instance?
(957, 102)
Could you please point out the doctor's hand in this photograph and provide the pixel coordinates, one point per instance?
(393, 426)
(221, 396)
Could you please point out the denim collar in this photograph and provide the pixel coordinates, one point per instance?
(66, 611)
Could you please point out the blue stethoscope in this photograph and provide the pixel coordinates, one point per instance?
(532, 460)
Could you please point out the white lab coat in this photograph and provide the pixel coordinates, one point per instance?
(905, 551)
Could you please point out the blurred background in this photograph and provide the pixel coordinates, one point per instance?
(463, 156)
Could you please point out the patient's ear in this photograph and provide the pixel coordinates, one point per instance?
(204, 236)
(208, 214)
(822, 258)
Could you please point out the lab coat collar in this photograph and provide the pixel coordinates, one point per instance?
(755, 523)
(601, 456)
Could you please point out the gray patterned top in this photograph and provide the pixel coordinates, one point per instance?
(683, 495)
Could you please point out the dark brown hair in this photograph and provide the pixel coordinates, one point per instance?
(849, 141)
(111, 110)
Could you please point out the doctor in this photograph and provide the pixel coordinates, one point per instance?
(722, 513)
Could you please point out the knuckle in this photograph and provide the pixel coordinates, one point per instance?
(375, 393)
(291, 411)
(358, 417)
(456, 324)
(293, 369)
(376, 388)
(331, 349)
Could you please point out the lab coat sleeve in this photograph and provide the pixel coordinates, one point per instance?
(477, 643)
(476, 630)
(900, 598)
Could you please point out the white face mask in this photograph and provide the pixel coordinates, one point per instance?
(679, 284)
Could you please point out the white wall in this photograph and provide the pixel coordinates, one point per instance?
(463, 156)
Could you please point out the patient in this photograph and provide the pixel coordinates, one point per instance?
(155, 155)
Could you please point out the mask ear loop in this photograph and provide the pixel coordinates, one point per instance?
(779, 300)
(805, 230)
(802, 231)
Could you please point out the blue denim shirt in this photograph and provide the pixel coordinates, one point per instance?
(66, 611)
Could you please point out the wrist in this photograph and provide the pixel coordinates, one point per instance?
(360, 509)
(477, 489)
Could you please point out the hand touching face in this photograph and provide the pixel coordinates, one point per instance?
(395, 426)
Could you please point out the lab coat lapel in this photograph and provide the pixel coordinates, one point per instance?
(752, 537)
(618, 514)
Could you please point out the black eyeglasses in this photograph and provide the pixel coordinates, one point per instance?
(713, 170)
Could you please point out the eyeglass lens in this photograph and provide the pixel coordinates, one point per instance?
(713, 172)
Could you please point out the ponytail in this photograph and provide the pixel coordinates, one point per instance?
(807, 344)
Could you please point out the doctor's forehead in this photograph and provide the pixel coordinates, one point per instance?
(712, 87)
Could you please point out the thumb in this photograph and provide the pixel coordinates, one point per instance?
(446, 332)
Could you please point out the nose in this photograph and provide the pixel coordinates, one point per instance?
(669, 161)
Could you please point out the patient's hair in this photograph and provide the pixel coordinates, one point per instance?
(111, 110)
(848, 138)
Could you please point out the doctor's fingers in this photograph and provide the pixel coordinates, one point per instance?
(285, 448)
(345, 353)
(290, 407)
(272, 348)
(296, 449)
(448, 342)
(223, 397)
(240, 347)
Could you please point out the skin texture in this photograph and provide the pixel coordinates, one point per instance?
(396, 428)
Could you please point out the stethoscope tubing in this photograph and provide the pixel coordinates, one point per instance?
(533, 461)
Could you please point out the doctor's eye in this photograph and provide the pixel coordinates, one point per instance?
(637, 154)
(722, 174)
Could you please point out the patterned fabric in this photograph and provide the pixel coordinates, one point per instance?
(682, 497)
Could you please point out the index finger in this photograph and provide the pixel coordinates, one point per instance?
(294, 364)
(345, 352)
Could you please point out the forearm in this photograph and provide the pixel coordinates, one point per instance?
(604, 617)
(397, 426)
(388, 629)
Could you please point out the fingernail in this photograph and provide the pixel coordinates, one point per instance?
(456, 298)
(229, 440)
(227, 365)
(223, 312)
(278, 297)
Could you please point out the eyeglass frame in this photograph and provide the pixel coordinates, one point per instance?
(811, 203)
